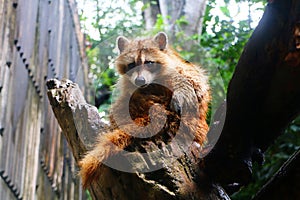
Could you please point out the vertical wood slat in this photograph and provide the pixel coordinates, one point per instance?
(38, 39)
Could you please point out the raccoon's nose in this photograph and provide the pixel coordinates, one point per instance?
(140, 81)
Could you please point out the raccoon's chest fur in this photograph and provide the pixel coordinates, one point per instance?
(144, 98)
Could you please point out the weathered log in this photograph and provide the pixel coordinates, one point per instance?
(80, 123)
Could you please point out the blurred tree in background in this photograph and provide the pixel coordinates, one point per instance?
(103, 21)
(212, 33)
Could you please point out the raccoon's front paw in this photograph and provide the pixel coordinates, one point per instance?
(175, 106)
(181, 104)
(177, 102)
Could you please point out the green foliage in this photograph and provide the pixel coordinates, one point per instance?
(275, 156)
(225, 11)
(224, 40)
(218, 50)
(159, 25)
(182, 21)
(110, 19)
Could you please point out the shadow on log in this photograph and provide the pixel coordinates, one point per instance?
(80, 123)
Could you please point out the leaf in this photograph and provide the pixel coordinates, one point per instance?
(153, 2)
(225, 11)
(145, 6)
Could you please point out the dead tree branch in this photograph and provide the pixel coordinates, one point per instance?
(80, 123)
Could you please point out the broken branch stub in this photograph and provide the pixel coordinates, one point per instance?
(81, 123)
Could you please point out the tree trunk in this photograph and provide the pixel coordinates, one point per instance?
(150, 13)
(263, 96)
(178, 15)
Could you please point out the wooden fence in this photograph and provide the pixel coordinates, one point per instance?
(39, 39)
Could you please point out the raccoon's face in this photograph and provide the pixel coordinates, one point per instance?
(140, 60)
(144, 73)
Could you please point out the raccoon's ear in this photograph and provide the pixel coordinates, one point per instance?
(161, 39)
(122, 42)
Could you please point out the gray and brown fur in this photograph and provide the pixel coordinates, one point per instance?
(143, 63)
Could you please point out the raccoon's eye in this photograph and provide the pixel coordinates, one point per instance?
(130, 66)
(147, 62)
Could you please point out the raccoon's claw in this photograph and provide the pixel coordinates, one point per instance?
(178, 103)
(175, 106)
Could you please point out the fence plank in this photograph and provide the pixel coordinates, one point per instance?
(39, 40)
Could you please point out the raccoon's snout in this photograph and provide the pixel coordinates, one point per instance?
(140, 81)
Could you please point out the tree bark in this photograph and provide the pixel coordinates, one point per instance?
(179, 16)
(285, 183)
(263, 96)
(150, 13)
(80, 123)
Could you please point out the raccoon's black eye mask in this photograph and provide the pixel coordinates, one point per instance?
(130, 66)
